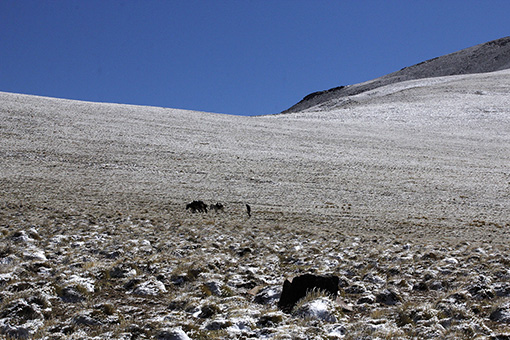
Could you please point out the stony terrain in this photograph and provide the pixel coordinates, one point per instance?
(404, 194)
(218, 276)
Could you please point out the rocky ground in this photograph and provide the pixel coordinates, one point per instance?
(72, 275)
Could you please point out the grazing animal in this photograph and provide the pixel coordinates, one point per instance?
(248, 210)
(197, 206)
(297, 289)
(216, 207)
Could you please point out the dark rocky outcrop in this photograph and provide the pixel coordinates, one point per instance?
(319, 93)
(297, 289)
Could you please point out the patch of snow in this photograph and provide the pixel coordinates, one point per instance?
(22, 237)
(34, 254)
(151, 287)
(241, 324)
(85, 283)
(321, 309)
(337, 332)
(451, 260)
(172, 334)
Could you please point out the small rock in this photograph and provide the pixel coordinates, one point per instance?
(388, 297)
(268, 295)
(436, 285)
(121, 271)
(343, 282)
(502, 289)
(192, 309)
(71, 294)
(131, 283)
(216, 325)
(500, 337)
(84, 319)
(112, 254)
(21, 310)
(32, 233)
(172, 334)
(344, 306)
(16, 332)
(150, 288)
(429, 256)
(375, 279)
(35, 254)
(177, 305)
(356, 288)
(214, 287)
(179, 280)
(270, 320)
(21, 237)
(451, 260)
(501, 314)
(366, 298)
(457, 297)
(82, 283)
(244, 251)
(20, 286)
(242, 324)
(481, 292)
(337, 332)
(393, 271)
(421, 286)
(208, 311)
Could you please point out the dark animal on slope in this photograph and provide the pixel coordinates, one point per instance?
(197, 206)
(248, 210)
(295, 290)
(216, 207)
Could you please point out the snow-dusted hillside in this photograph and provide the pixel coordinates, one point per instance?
(435, 148)
(405, 187)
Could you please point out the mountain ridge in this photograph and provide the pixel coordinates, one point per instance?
(486, 57)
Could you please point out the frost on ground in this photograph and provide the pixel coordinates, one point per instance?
(198, 277)
(403, 193)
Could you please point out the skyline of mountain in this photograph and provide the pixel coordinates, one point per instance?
(487, 57)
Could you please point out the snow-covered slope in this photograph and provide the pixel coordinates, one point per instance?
(488, 57)
(436, 148)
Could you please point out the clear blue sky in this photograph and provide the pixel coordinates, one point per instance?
(229, 56)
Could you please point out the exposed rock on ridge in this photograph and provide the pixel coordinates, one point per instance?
(488, 57)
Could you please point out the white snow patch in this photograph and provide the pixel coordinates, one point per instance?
(241, 324)
(151, 287)
(321, 308)
(35, 254)
(451, 260)
(86, 283)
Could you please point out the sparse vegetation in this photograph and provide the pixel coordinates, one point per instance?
(201, 283)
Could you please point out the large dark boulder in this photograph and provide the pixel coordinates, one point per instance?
(297, 289)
